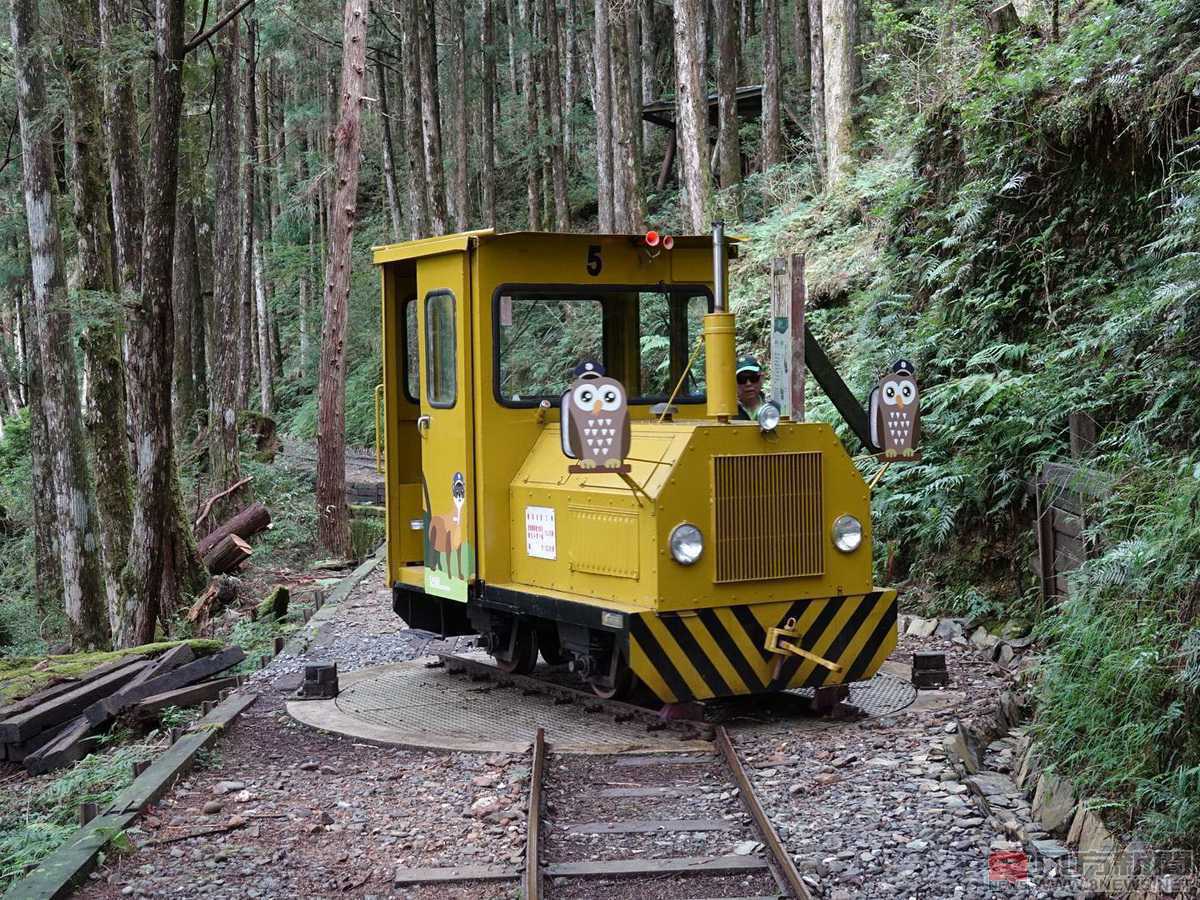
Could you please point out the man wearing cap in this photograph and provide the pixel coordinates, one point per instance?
(749, 388)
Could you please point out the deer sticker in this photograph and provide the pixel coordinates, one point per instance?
(444, 533)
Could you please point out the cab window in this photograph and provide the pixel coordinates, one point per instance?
(440, 350)
(644, 336)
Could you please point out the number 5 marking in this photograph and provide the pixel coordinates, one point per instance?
(594, 263)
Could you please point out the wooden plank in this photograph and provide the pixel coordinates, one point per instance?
(454, 873)
(69, 747)
(683, 791)
(607, 868)
(1078, 480)
(666, 759)
(68, 706)
(58, 690)
(54, 876)
(1068, 553)
(17, 752)
(650, 826)
(533, 822)
(1066, 522)
(107, 707)
(186, 696)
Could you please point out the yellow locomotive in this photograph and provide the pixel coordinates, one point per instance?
(704, 557)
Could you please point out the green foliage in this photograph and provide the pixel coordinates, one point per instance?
(34, 823)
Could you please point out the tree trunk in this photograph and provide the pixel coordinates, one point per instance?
(772, 139)
(303, 313)
(47, 568)
(800, 51)
(459, 145)
(431, 115)
(222, 390)
(124, 158)
(571, 77)
(186, 291)
(266, 362)
(728, 146)
(629, 213)
(333, 519)
(602, 106)
(389, 166)
(410, 102)
(552, 103)
(532, 138)
(649, 50)
(840, 24)
(75, 518)
(104, 401)
(691, 115)
(514, 63)
(817, 82)
(487, 152)
(156, 523)
(248, 354)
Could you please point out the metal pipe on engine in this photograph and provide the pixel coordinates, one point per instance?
(720, 349)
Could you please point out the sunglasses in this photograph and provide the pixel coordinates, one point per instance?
(748, 378)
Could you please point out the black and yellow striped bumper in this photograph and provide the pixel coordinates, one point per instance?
(721, 652)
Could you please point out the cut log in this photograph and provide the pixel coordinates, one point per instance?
(69, 747)
(60, 709)
(227, 555)
(17, 752)
(57, 690)
(109, 706)
(186, 696)
(220, 592)
(247, 523)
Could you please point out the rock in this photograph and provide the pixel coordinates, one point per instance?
(919, 627)
(309, 766)
(964, 749)
(323, 818)
(990, 784)
(245, 797)
(843, 759)
(1049, 848)
(227, 787)
(948, 629)
(485, 806)
(1003, 653)
(1097, 851)
(485, 780)
(883, 762)
(917, 846)
(235, 821)
(1010, 708)
(1030, 768)
(827, 778)
(983, 639)
(1053, 802)
(746, 848)
(211, 808)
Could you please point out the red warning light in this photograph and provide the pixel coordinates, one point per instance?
(668, 242)
(651, 238)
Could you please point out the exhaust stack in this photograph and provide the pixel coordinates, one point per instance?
(719, 344)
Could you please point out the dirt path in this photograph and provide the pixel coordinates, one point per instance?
(869, 809)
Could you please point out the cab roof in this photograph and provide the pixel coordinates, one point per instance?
(450, 243)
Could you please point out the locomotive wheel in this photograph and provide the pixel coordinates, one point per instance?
(551, 647)
(525, 653)
(622, 687)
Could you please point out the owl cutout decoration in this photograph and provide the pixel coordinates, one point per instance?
(595, 421)
(895, 414)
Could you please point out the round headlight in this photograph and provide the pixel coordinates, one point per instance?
(687, 543)
(847, 533)
(768, 417)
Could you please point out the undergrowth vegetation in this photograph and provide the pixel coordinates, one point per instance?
(1026, 228)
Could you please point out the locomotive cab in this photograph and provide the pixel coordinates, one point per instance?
(719, 558)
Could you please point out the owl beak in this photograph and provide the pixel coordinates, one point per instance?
(596, 405)
(900, 400)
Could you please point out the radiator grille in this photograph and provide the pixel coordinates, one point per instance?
(768, 516)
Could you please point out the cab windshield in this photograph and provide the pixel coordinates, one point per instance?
(644, 336)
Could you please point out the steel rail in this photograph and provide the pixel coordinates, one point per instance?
(533, 823)
(783, 861)
(621, 712)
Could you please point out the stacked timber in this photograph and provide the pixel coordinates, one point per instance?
(55, 726)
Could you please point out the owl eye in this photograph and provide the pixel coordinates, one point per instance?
(610, 399)
(585, 396)
(889, 393)
(908, 391)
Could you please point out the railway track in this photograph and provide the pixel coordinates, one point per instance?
(646, 802)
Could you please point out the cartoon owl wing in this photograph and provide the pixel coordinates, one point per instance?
(623, 439)
(564, 425)
(873, 416)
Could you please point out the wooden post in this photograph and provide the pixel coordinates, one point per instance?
(788, 370)
(1083, 433)
(88, 811)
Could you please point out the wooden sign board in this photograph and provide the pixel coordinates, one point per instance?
(788, 370)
